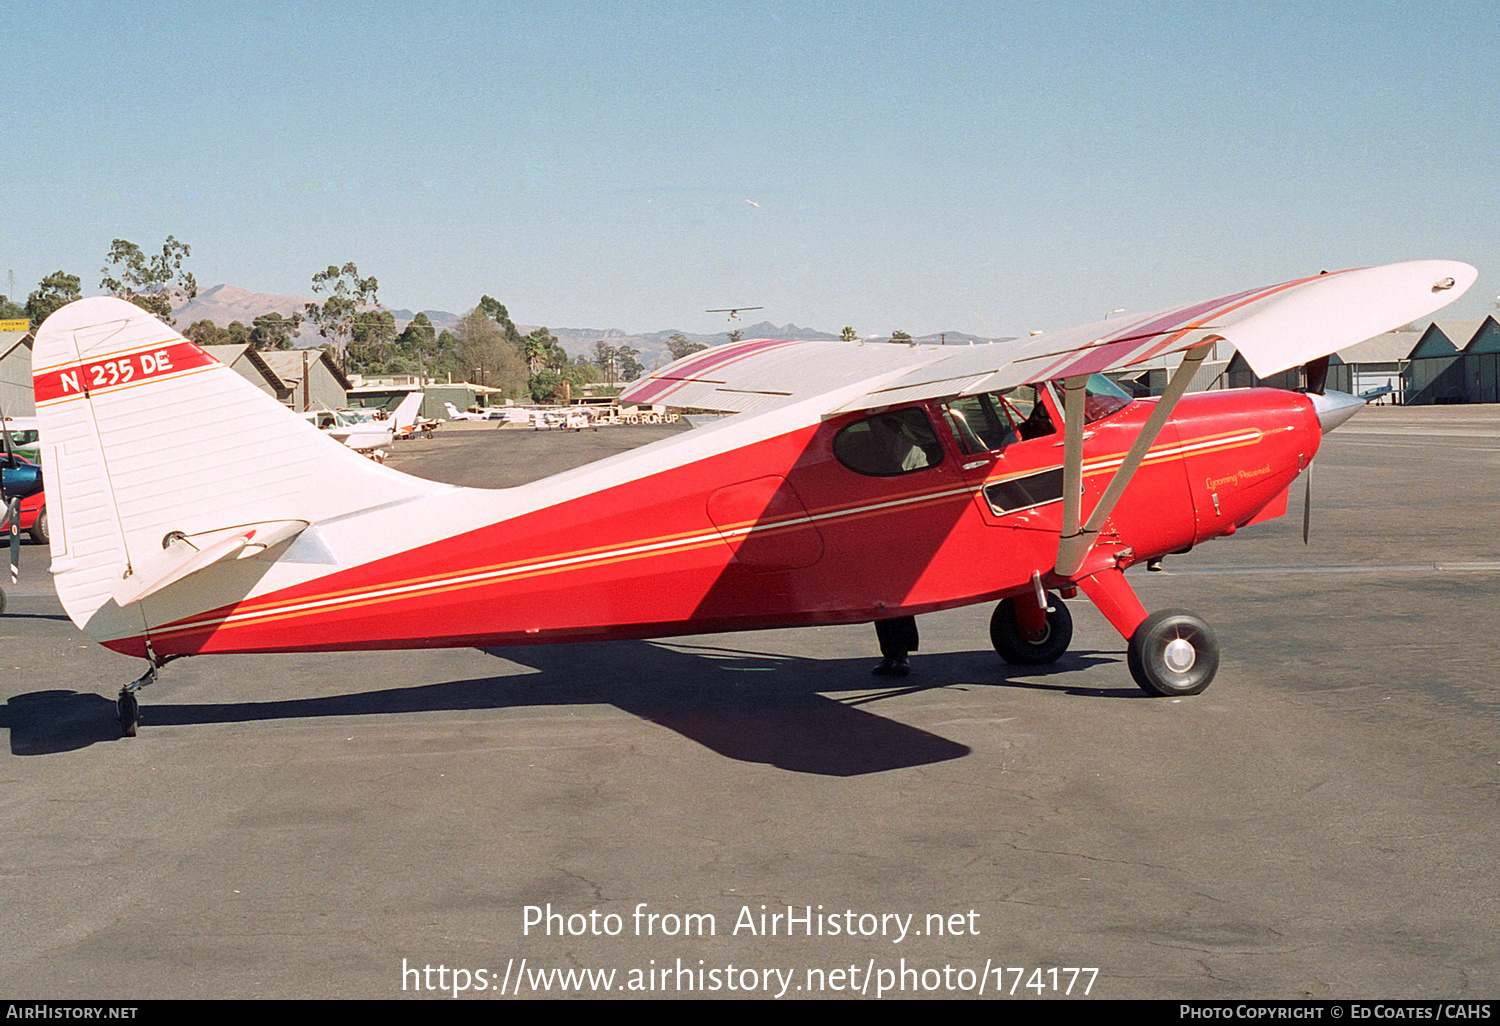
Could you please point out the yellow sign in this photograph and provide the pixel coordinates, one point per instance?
(18, 324)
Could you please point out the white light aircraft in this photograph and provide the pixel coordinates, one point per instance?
(454, 413)
(407, 419)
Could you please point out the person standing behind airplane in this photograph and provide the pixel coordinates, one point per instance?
(898, 638)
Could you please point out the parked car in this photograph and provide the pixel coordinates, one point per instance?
(33, 511)
(34, 518)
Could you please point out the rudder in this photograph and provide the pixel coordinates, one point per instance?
(144, 436)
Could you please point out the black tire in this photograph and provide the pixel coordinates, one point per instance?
(1005, 634)
(39, 532)
(1163, 667)
(129, 711)
(2, 601)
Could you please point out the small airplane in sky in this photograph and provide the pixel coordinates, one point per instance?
(855, 483)
(734, 311)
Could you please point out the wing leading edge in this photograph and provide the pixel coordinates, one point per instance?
(1274, 327)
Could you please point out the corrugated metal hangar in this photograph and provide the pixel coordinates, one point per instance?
(15, 374)
(1449, 362)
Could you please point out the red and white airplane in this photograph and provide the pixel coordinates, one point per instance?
(857, 482)
(407, 420)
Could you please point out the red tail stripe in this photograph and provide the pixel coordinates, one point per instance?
(118, 370)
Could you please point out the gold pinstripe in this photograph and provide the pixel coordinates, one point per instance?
(437, 584)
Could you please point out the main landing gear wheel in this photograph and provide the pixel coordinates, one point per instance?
(1018, 650)
(129, 711)
(1173, 653)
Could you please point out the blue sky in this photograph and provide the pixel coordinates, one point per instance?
(988, 167)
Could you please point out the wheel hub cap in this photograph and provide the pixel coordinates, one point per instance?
(1179, 656)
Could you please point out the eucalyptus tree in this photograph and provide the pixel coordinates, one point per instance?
(417, 342)
(273, 331)
(56, 290)
(151, 283)
(679, 345)
(485, 357)
(347, 292)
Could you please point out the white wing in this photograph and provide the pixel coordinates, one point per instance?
(1274, 327)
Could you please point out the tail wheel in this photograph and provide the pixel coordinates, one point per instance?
(1018, 650)
(1173, 653)
(129, 712)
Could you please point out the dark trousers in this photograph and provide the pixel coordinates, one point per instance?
(897, 637)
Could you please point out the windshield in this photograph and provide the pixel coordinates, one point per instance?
(1103, 398)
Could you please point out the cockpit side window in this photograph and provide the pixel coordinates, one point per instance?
(980, 423)
(987, 423)
(889, 444)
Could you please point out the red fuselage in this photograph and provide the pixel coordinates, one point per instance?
(782, 533)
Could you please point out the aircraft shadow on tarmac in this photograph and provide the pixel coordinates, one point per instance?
(750, 706)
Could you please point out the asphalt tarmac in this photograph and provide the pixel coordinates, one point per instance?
(1322, 822)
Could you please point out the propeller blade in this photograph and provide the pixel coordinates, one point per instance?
(12, 505)
(1316, 372)
(13, 514)
(1307, 505)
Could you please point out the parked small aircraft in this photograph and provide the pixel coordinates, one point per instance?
(23, 506)
(454, 413)
(23, 433)
(366, 435)
(577, 419)
(370, 432)
(407, 420)
(20, 482)
(858, 482)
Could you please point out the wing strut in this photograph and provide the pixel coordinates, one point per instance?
(1075, 397)
(1074, 545)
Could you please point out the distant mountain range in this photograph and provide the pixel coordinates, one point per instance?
(224, 304)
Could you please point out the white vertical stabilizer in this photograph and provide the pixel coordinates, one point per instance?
(145, 438)
(404, 420)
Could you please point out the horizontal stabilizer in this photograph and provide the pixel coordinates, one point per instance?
(182, 556)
